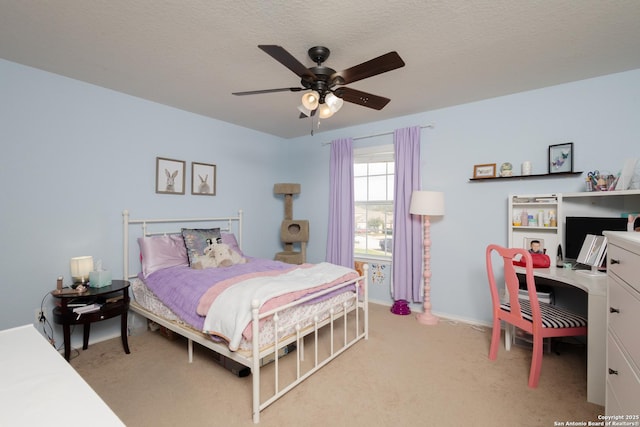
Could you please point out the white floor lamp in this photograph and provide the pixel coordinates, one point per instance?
(426, 204)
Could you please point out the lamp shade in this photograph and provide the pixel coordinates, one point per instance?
(325, 111)
(81, 266)
(310, 100)
(427, 203)
(304, 110)
(333, 102)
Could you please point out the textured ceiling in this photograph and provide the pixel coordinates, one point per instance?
(192, 54)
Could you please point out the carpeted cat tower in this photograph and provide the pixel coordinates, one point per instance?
(292, 231)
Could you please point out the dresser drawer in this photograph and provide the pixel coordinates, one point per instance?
(623, 382)
(623, 264)
(624, 322)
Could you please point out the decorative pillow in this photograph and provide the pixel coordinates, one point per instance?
(160, 252)
(196, 239)
(230, 239)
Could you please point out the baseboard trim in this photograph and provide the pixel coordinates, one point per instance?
(444, 316)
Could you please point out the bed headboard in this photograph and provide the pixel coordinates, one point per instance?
(134, 228)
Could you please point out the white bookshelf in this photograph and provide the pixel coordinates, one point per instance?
(596, 203)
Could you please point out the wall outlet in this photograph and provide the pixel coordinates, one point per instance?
(39, 315)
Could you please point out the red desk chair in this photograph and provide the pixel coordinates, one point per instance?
(539, 319)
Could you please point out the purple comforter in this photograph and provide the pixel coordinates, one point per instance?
(180, 288)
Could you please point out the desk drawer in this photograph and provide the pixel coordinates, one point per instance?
(623, 264)
(624, 323)
(624, 383)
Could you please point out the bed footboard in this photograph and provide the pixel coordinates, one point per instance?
(329, 334)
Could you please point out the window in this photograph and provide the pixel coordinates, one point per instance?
(373, 174)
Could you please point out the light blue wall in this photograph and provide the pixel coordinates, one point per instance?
(74, 155)
(600, 116)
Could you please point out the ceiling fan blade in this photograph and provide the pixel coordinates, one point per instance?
(256, 92)
(382, 64)
(361, 98)
(285, 58)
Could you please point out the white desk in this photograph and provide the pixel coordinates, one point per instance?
(39, 387)
(596, 289)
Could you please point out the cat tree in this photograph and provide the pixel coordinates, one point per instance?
(292, 230)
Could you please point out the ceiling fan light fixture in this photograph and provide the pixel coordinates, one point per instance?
(325, 111)
(310, 100)
(334, 102)
(304, 110)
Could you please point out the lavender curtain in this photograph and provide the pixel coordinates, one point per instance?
(341, 204)
(407, 228)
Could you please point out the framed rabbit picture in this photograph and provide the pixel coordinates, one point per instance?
(203, 179)
(169, 176)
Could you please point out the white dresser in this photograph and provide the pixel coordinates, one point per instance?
(40, 388)
(623, 320)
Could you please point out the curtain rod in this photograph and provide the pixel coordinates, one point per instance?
(380, 134)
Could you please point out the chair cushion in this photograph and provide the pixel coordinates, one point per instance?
(552, 316)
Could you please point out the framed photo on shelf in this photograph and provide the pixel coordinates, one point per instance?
(169, 176)
(535, 245)
(484, 171)
(203, 179)
(561, 158)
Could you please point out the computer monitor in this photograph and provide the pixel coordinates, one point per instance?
(578, 227)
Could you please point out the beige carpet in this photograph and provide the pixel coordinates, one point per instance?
(405, 374)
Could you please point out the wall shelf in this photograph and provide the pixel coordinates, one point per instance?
(612, 193)
(540, 175)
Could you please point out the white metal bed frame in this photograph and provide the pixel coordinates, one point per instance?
(253, 361)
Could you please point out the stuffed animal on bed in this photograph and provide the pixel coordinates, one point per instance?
(204, 261)
(224, 255)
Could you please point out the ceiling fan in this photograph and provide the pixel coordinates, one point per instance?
(324, 96)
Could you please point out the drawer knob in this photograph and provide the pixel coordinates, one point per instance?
(613, 372)
(614, 261)
(613, 310)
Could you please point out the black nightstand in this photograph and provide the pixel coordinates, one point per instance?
(115, 300)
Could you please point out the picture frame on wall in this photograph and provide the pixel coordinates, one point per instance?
(561, 158)
(203, 179)
(484, 171)
(169, 176)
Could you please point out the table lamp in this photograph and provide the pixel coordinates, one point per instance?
(81, 266)
(426, 204)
